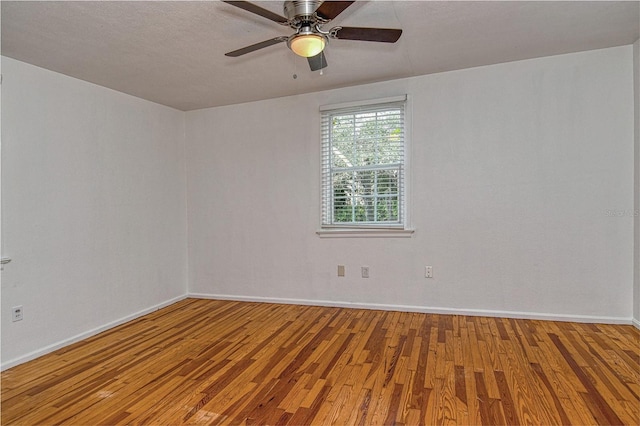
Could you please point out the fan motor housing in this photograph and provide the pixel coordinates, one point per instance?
(300, 9)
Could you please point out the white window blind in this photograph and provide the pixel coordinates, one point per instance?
(363, 158)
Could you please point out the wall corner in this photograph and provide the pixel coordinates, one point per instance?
(636, 185)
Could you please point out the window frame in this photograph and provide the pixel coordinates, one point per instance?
(328, 228)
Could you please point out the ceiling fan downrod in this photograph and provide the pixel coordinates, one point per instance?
(299, 11)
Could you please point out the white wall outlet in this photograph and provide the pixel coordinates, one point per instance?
(428, 271)
(365, 272)
(16, 313)
(341, 270)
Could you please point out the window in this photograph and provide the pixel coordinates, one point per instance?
(363, 165)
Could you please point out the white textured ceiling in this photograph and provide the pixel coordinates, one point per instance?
(172, 53)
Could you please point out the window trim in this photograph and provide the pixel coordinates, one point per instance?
(367, 102)
(351, 230)
(365, 232)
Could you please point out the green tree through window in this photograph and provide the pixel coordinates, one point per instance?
(363, 159)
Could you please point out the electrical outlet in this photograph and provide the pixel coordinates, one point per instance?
(365, 272)
(341, 270)
(16, 313)
(428, 271)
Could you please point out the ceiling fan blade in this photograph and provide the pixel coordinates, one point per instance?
(385, 35)
(331, 9)
(317, 62)
(250, 7)
(256, 46)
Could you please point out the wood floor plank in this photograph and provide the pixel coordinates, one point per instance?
(225, 362)
(567, 392)
(596, 402)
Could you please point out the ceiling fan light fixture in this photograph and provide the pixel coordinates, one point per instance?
(307, 45)
(307, 18)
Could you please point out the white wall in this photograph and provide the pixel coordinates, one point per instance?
(93, 208)
(518, 173)
(636, 191)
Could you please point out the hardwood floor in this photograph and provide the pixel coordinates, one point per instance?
(207, 361)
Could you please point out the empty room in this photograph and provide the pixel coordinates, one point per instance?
(313, 213)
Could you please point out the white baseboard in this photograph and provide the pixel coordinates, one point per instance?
(48, 349)
(329, 303)
(421, 309)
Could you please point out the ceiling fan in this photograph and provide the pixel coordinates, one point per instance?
(307, 17)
